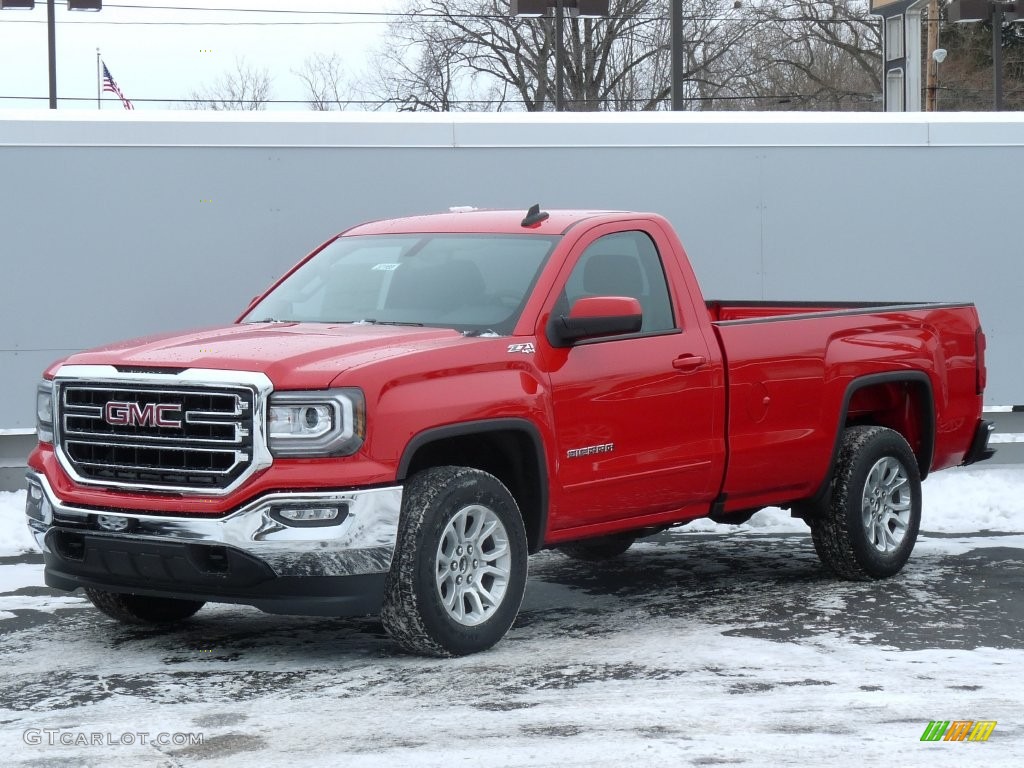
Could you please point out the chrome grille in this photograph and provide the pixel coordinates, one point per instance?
(110, 433)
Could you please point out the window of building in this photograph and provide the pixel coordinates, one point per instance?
(894, 38)
(894, 90)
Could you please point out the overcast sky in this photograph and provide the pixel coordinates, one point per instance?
(154, 52)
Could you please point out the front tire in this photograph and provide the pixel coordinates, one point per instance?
(459, 571)
(139, 609)
(870, 525)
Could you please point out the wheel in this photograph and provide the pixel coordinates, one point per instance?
(596, 550)
(869, 527)
(138, 609)
(459, 571)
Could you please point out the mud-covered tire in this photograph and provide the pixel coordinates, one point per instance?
(599, 549)
(140, 609)
(459, 524)
(868, 528)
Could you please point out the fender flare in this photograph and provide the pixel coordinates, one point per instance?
(927, 413)
(484, 426)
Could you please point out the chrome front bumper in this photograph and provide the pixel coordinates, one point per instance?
(361, 542)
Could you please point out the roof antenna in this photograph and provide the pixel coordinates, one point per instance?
(535, 216)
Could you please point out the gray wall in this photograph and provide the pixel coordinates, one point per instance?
(105, 231)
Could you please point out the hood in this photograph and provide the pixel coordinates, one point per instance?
(293, 355)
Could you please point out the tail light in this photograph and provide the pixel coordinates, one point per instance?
(981, 372)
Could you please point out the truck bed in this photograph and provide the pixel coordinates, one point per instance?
(726, 311)
(789, 371)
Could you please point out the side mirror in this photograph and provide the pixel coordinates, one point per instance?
(596, 316)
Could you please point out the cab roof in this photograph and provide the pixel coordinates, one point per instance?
(484, 222)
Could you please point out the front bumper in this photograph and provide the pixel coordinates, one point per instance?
(252, 555)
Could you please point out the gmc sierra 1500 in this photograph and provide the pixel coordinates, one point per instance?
(420, 403)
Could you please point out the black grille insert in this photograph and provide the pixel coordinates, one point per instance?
(185, 437)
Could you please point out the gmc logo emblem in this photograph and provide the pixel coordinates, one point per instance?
(134, 415)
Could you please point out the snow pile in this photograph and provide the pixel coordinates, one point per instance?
(966, 500)
(955, 501)
(14, 535)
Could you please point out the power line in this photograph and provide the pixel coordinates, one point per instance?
(398, 102)
(198, 23)
(380, 17)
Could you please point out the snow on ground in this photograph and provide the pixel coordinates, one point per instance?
(690, 650)
(14, 535)
(962, 500)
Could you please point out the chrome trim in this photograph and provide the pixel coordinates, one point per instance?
(108, 375)
(362, 543)
(240, 434)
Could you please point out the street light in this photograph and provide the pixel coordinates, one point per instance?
(585, 8)
(938, 56)
(962, 11)
(51, 31)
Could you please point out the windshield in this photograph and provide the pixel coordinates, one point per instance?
(475, 283)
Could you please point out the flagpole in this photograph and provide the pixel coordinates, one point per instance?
(98, 78)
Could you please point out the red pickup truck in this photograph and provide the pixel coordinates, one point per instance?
(421, 403)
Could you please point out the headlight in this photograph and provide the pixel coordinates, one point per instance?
(321, 423)
(44, 411)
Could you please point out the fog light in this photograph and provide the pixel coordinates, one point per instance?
(309, 514)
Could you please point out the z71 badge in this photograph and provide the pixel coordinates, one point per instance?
(526, 348)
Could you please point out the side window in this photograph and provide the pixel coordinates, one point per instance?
(623, 264)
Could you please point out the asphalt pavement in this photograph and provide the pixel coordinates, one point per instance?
(601, 665)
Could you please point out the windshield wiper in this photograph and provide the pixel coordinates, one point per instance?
(371, 321)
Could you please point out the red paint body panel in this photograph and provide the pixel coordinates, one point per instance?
(740, 404)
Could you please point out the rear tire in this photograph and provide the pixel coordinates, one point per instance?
(869, 526)
(459, 570)
(599, 549)
(139, 609)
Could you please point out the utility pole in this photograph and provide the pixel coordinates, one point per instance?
(51, 51)
(560, 56)
(932, 72)
(997, 54)
(677, 54)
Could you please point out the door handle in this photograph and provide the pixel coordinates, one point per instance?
(689, 362)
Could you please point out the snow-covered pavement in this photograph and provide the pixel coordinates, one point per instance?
(702, 646)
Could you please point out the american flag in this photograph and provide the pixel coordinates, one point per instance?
(110, 85)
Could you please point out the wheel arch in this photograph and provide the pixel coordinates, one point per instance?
(871, 399)
(511, 449)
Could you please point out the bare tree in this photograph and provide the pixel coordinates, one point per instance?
(243, 88)
(813, 55)
(325, 81)
(421, 74)
(471, 54)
